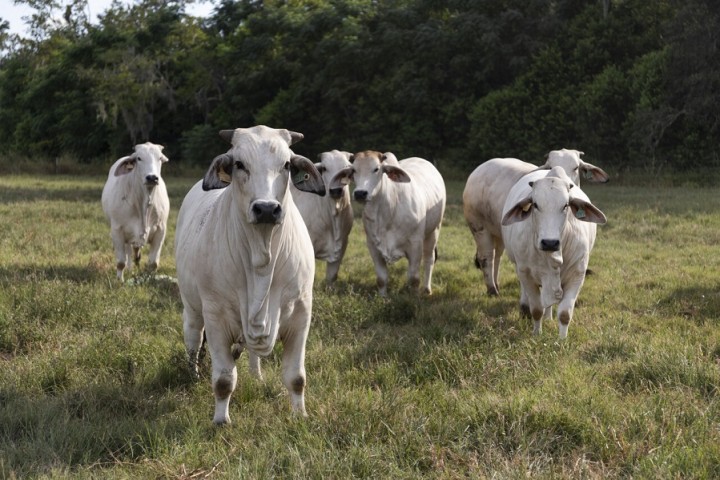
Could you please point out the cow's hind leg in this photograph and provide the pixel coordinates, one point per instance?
(193, 327)
(429, 252)
(331, 272)
(254, 365)
(499, 249)
(136, 256)
(486, 258)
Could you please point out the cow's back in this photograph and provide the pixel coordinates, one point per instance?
(487, 188)
(115, 188)
(428, 184)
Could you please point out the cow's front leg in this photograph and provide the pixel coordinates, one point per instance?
(293, 336)
(224, 373)
(118, 240)
(156, 244)
(567, 305)
(531, 293)
(381, 270)
(414, 256)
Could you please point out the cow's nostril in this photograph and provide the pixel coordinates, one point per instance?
(152, 179)
(266, 212)
(360, 195)
(550, 245)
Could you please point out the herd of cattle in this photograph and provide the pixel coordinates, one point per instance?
(246, 242)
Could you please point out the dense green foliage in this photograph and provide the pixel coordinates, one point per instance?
(630, 82)
(93, 378)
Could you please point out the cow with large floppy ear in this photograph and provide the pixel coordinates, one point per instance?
(589, 171)
(219, 175)
(303, 173)
(305, 176)
(127, 165)
(343, 177)
(390, 167)
(581, 209)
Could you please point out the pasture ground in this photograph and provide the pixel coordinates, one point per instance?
(93, 382)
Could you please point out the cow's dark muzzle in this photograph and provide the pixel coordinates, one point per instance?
(550, 245)
(152, 180)
(266, 212)
(336, 192)
(360, 195)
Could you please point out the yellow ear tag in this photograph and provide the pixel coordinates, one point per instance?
(224, 176)
(526, 207)
(580, 213)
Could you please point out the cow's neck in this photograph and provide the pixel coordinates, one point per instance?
(256, 245)
(379, 213)
(338, 218)
(142, 200)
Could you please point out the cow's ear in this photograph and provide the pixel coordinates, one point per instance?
(126, 166)
(305, 176)
(592, 173)
(219, 175)
(586, 212)
(227, 135)
(295, 137)
(521, 211)
(396, 174)
(341, 178)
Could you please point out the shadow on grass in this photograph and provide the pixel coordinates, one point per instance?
(698, 304)
(32, 273)
(35, 194)
(412, 331)
(91, 425)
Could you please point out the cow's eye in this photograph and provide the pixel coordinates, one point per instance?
(287, 166)
(239, 165)
(566, 206)
(535, 206)
(377, 169)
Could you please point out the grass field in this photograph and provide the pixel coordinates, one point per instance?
(93, 380)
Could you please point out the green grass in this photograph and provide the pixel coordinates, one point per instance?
(93, 381)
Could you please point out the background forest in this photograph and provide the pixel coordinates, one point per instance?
(635, 84)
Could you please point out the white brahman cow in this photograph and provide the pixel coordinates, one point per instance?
(484, 197)
(245, 262)
(329, 219)
(136, 203)
(548, 227)
(404, 203)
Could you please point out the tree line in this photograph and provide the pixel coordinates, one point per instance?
(632, 83)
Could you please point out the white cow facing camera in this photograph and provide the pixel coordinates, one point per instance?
(136, 203)
(548, 227)
(245, 262)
